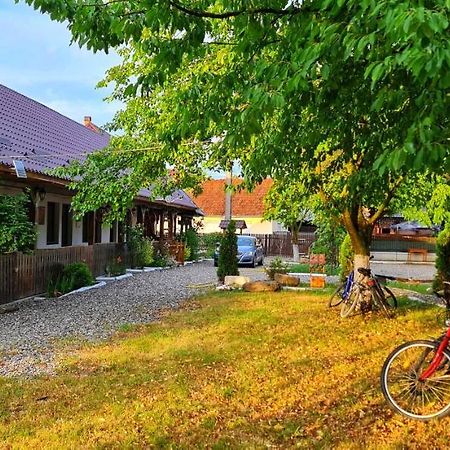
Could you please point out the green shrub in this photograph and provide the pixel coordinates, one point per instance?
(161, 256)
(115, 268)
(187, 253)
(346, 255)
(442, 259)
(54, 276)
(208, 242)
(228, 253)
(329, 237)
(141, 248)
(146, 253)
(192, 243)
(17, 233)
(276, 266)
(72, 277)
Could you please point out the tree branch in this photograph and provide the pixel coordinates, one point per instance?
(385, 203)
(229, 14)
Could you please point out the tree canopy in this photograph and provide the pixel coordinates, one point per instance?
(353, 87)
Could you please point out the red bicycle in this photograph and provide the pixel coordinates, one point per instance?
(415, 378)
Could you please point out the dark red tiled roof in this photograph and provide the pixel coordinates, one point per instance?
(32, 132)
(244, 203)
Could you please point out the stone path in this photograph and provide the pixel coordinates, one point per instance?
(28, 334)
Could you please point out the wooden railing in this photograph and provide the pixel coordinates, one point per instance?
(176, 250)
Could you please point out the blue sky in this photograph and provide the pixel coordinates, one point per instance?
(37, 60)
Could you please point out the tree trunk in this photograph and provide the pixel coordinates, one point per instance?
(360, 232)
(295, 249)
(296, 252)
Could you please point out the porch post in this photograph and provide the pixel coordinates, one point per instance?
(170, 234)
(175, 220)
(161, 225)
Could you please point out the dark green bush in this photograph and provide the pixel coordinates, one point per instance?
(72, 277)
(161, 254)
(191, 240)
(208, 242)
(141, 248)
(329, 238)
(228, 253)
(442, 259)
(17, 233)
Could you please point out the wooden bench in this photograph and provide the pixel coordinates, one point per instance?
(417, 251)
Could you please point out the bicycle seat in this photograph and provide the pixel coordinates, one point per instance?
(364, 271)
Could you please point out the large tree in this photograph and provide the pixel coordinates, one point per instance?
(356, 87)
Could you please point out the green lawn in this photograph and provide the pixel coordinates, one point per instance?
(421, 288)
(237, 370)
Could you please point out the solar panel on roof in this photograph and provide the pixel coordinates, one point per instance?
(20, 168)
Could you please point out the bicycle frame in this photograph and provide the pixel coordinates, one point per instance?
(438, 357)
(348, 285)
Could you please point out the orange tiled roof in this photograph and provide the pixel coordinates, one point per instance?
(244, 203)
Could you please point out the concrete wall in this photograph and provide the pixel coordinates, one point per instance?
(402, 257)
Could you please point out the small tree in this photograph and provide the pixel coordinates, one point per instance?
(287, 203)
(17, 233)
(228, 253)
(192, 244)
(442, 259)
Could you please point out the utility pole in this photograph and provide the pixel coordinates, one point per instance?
(228, 185)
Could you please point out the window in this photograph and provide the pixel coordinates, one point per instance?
(66, 226)
(88, 228)
(113, 232)
(52, 223)
(245, 241)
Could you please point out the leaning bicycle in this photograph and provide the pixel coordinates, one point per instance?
(415, 379)
(366, 295)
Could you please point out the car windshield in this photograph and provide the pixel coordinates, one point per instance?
(246, 241)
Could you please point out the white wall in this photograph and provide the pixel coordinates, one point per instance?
(77, 227)
(256, 225)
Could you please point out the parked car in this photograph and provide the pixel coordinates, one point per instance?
(250, 251)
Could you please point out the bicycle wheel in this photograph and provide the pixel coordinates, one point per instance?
(390, 298)
(405, 392)
(379, 301)
(349, 303)
(336, 299)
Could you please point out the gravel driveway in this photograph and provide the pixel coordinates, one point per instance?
(28, 334)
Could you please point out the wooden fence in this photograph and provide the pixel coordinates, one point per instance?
(281, 244)
(23, 275)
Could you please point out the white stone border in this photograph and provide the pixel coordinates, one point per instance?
(117, 278)
(85, 288)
